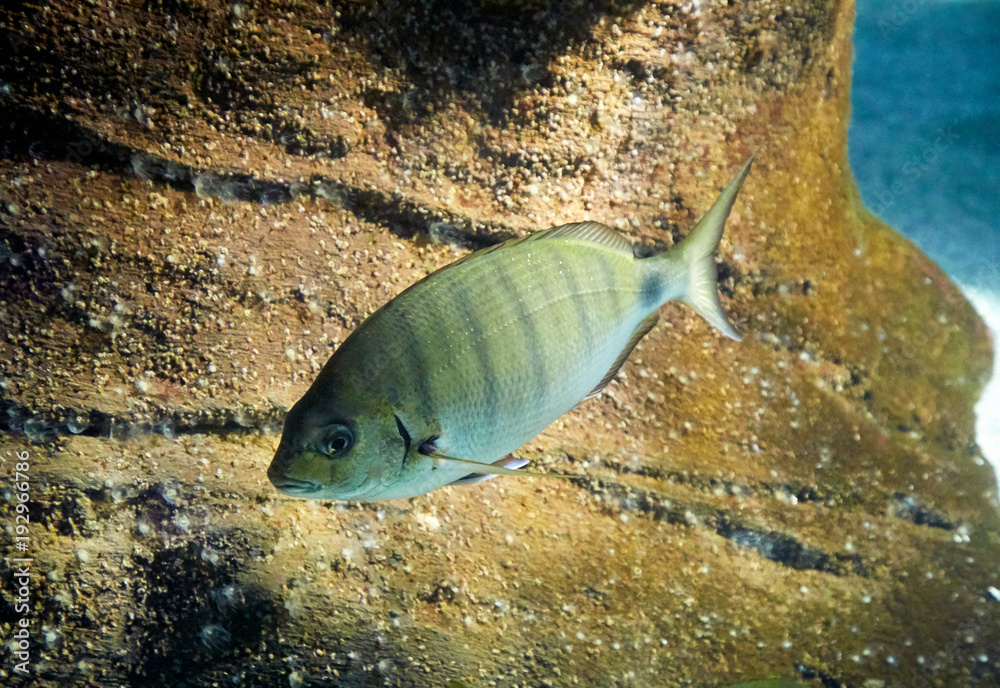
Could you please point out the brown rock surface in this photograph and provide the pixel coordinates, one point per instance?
(199, 200)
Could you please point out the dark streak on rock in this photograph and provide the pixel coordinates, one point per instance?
(900, 506)
(46, 427)
(777, 547)
(908, 508)
(30, 132)
(787, 551)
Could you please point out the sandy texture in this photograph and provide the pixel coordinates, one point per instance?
(199, 200)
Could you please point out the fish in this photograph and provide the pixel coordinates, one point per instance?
(444, 382)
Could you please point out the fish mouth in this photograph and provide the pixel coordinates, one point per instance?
(294, 487)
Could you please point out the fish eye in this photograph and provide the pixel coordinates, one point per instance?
(337, 440)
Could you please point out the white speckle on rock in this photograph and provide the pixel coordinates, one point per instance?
(170, 496)
(428, 521)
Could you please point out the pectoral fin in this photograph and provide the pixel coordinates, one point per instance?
(511, 462)
(489, 469)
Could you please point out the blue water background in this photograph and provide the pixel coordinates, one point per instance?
(925, 145)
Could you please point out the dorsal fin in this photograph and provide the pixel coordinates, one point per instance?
(641, 331)
(479, 252)
(467, 256)
(586, 231)
(593, 232)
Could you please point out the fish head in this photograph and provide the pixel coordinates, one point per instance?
(336, 447)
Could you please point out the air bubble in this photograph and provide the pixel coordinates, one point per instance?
(203, 186)
(16, 418)
(167, 429)
(227, 598)
(170, 495)
(215, 637)
(77, 423)
(228, 192)
(38, 430)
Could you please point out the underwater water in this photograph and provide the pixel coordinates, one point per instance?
(925, 146)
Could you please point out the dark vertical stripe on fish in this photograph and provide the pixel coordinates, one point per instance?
(418, 373)
(611, 283)
(534, 355)
(565, 268)
(460, 297)
(543, 288)
(650, 291)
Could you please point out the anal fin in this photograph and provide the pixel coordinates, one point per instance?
(641, 331)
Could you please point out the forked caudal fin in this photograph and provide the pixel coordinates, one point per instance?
(697, 254)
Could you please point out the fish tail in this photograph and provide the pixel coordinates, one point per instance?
(696, 254)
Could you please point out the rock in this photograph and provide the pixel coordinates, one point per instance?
(201, 200)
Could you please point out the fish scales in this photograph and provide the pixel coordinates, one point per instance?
(516, 339)
(467, 365)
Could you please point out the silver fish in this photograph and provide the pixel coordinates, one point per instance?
(444, 381)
